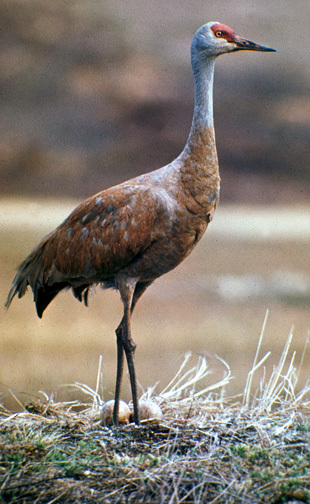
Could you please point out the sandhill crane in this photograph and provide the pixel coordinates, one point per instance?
(128, 235)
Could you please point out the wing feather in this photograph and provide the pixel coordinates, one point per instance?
(100, 237)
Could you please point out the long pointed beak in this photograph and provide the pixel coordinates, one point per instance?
(247, 45)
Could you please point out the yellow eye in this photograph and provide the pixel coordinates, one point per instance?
(219, 34)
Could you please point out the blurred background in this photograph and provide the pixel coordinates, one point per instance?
(94, 92)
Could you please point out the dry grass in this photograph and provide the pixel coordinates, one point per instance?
(207, 448)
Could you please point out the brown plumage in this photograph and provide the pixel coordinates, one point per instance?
(127, 236)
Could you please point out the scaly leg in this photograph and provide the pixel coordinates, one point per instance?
(129, 347)
(124, 341)
(119, 372)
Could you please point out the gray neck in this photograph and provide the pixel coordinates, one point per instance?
(197, 165)
(203, 81)
(198, 161)
(201, 139)
(202, 128)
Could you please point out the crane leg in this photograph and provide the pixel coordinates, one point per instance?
(119, 373)
(127, 345)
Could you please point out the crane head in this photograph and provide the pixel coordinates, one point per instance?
(214, 38)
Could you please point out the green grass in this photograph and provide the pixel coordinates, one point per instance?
(172, 461)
